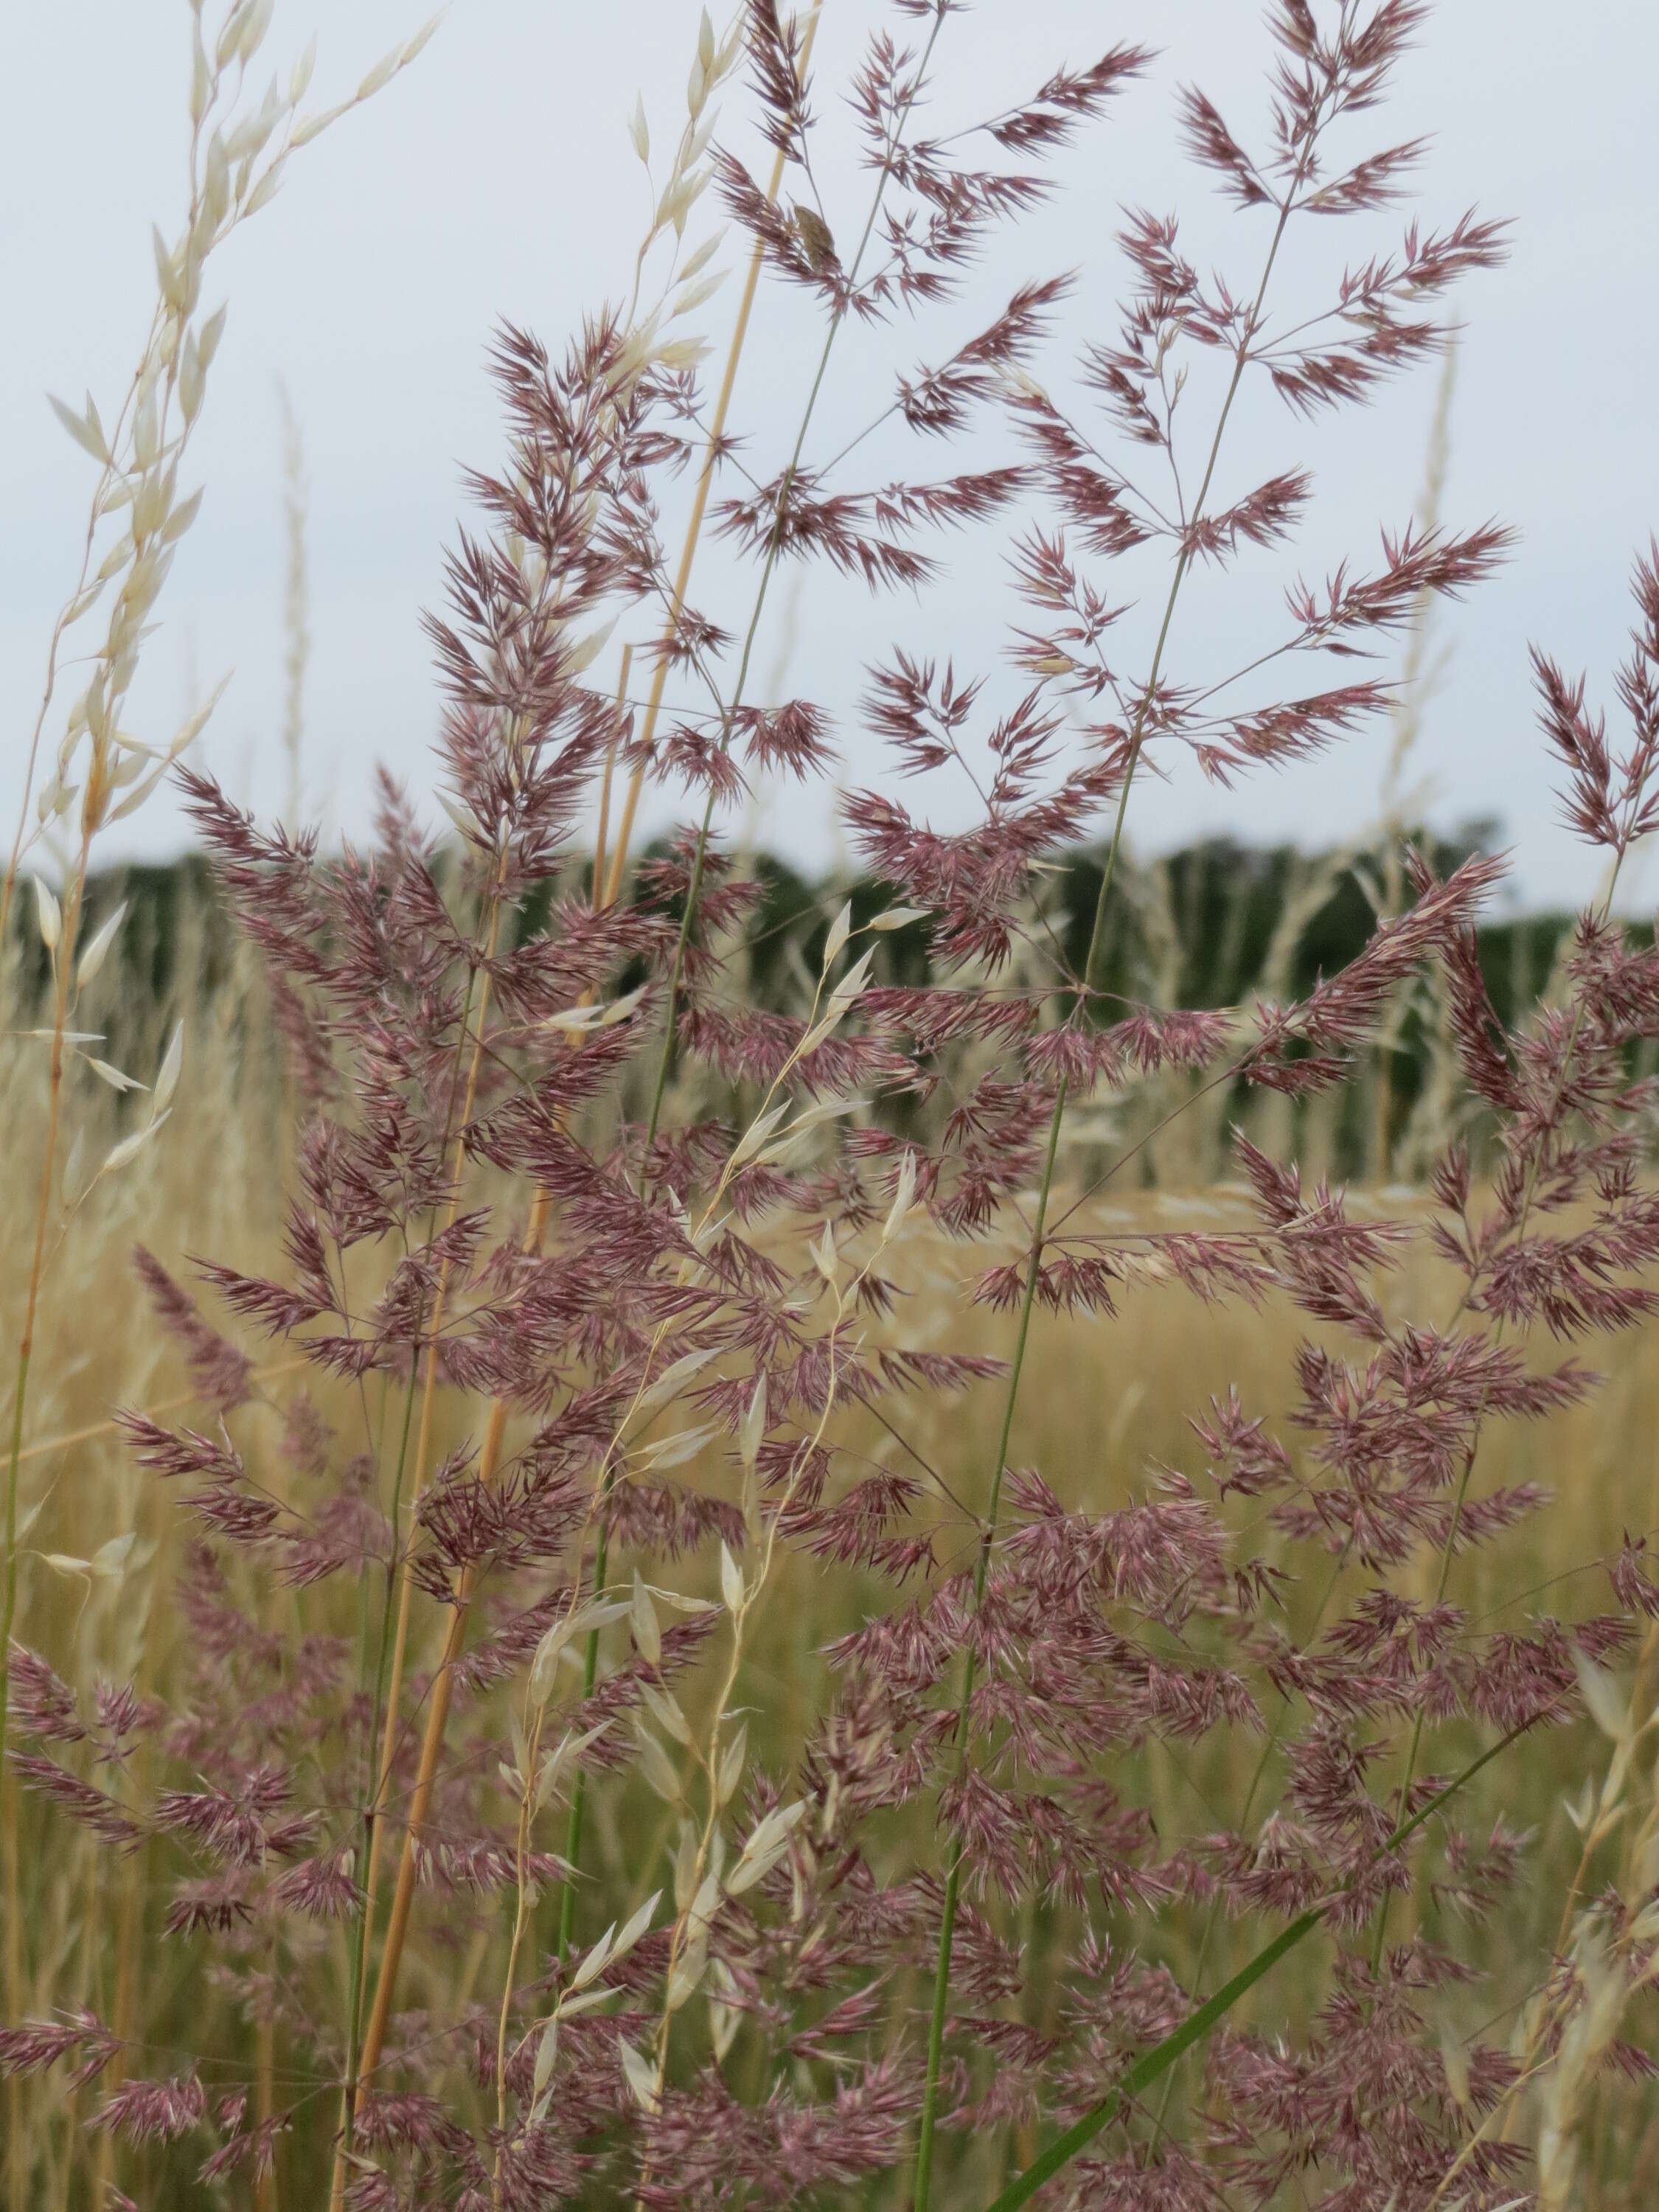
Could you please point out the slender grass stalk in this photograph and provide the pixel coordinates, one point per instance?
(520, 1917)
(12, 1851)
(741, 1613)
(836, 319)
(1380, 1934)
(603, 898)
(420, 1805)
(129, 1931)
(16, 2149)
(65, 963)
(438, 1711)
(352, 2090)
(420, 1802)
(264, 2090)
(600, 901)
(393, 1688)
(176, 360)
(1213, 1918)
(429, 1381)
(400, 1633)
(923, 2174)
(94, 1430)
(431, 1750)
(612, 882)
(371, 1822)
(960, 1737)
(60, 626)
(694, 529)
(296, 625)
(606, 887)
(390, 1691)
(573, 1826)
(1415, 681)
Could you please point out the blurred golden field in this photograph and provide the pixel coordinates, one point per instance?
(1104, 1406)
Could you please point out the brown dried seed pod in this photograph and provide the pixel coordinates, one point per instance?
(817, 241)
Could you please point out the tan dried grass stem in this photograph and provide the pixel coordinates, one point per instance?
(600, 899)
(97, 1429)
(605, 894)
(17, 2172)
(424, 1437)
(608, 887)
(64, 958)
(392, 1686)
(438, 1711)
(421, 1797)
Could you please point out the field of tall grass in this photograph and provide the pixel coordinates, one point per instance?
(1104, 1404)
(977, 1532)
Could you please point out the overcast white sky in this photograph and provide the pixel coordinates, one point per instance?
(496, 178)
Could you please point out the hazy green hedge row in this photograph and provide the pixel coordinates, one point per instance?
(1212, 925)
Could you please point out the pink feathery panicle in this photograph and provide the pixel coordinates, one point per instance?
(31, 2046)
(774, 53)
(630, 1247)
(220, 1371)
(82, 1801)
(153, 2112)
(44, 1705)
